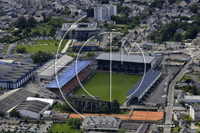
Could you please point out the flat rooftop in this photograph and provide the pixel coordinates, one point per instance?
(79, 26)
(90, 43)
(60, 63)
(125, 58)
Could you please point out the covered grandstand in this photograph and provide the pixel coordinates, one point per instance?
(140, 89)
(68, 81)
(123, 63)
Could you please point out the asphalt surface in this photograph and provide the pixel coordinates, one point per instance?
(169, 108)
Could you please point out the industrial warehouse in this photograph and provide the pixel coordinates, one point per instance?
(15, 74)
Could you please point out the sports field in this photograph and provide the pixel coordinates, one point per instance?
(99, 85)
(62, 128)
(48, 46)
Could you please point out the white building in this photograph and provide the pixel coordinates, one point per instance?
(195, 112)
(188, 98)
(34, 107)
(104, 12)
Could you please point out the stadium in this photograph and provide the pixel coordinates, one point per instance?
(127, 71)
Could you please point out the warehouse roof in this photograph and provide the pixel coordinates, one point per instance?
(50, 101)
(149, 77)
(33, 106)
(3, 61)
(60, 63)
(70, 73)
(125, 58)
(13, 73)
(13, 98)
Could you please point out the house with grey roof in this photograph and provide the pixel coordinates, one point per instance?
(101, 123)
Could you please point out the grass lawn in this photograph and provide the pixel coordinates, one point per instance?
(99, 85)
(5, 48)
(41, 29)
(62, 127)
(44, 45)
(199, 79)
(175, 129)
(184, 78)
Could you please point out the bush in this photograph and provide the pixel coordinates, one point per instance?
(21, 50)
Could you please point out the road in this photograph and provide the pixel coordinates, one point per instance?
(169, 108)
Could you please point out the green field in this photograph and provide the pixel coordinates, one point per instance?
(184, 78)
(59, 128)
(44, 45)
(99, 85)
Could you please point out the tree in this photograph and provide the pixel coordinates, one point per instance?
(68, 13)
(31, 22)
(21, 22)
(106, 109)
(177, 37)
(115, 106)
(15, 113)
(166, 70)
(90, 12)
(76, 13)
(44, 33)
(78, 108)
(182, 102)
(41, 57)
(37, 33)
(194, 8)
(69, 122)
(122, 130)
(188, 81)
(25, 120)
(81, 131)
(77, 122)
(21, 49)
(181, 10)
(52, 31)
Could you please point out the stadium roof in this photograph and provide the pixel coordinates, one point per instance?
(60, 63)
(33, 106)
(149, 77)
(70, 73)
(13, 98)
(126, 58)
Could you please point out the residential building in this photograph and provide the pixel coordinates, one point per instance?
(104, 12)
(188, 98)
(195, 112)
(101, 123)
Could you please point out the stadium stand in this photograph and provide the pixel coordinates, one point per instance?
(129, 64)
(68, 81)
(140, 89)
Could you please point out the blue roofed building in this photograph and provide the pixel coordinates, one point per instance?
(68, 80)
(144, 84)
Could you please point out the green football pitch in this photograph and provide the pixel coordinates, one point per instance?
(99, 85)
